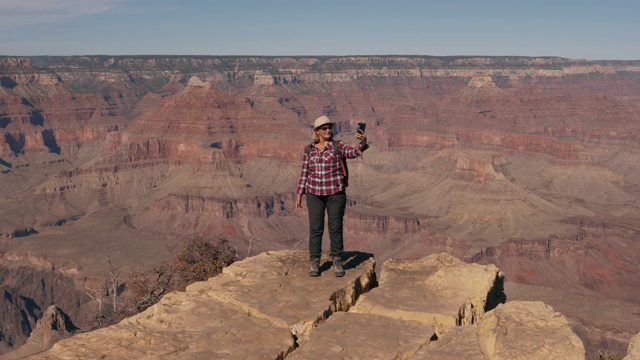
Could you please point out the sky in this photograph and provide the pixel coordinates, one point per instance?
(585, 29)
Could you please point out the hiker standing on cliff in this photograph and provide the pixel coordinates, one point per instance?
(323, 180)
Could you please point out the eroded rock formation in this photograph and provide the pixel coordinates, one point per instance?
(54, 326)
(267, 306)
(530, 164)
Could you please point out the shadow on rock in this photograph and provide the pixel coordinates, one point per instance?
(350, 260)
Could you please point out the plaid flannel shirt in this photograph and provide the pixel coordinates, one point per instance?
(321, 170)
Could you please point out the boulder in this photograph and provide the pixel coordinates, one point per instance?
(515, 330)
(438, 289)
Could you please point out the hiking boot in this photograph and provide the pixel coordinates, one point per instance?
(315, 268)
(338, 271)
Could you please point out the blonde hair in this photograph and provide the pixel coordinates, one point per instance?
(314, 135)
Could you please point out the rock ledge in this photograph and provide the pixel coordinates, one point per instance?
(267, 307)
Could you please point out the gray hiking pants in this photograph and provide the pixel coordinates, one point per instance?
(334, 206)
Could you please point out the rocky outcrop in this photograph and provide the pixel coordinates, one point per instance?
(54, 326)
(13, 63)
(256, 308)
(445, 293)
(268, 307)
(505, 333)
(25, 294)
(633, 353)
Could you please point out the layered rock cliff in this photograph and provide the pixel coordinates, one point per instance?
(527, 163)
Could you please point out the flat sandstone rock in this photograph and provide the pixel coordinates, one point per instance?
(250, 311)
(364, 336)
(460, 342)
(438, 289)
(526, 330)
(180, 326)
(276, 286)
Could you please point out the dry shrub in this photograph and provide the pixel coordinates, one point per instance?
(603, 355)
(147, 287)
(198, 259)
(194, 259)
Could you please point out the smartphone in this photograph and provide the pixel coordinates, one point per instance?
(361, 127)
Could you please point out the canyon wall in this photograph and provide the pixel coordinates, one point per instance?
(527, 163)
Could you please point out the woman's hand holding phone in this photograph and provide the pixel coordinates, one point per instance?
(360, 135)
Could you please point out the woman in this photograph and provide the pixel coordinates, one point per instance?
(322, 180)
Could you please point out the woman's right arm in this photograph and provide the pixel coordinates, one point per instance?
(302, 181)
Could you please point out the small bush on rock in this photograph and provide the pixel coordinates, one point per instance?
(198, 259)
(194, 259)
(603, 355)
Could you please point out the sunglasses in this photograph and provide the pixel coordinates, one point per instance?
(325, 128)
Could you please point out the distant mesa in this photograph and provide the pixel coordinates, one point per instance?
(195, 81)
(481, 85)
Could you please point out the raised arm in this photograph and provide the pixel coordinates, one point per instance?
(351, 152)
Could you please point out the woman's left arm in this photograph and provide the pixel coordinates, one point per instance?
(351, 152)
